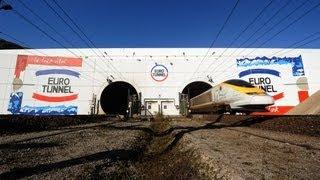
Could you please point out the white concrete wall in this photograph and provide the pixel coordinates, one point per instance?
(134, 66)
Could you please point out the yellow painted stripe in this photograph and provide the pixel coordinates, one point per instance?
(245, 89)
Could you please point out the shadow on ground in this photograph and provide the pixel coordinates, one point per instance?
(111, 156)
(122, 155)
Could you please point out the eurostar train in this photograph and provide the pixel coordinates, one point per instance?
(231, 96)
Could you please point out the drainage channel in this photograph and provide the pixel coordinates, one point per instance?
(160, 149)
(161, 157)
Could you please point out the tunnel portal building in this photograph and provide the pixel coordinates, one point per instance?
(147, 80)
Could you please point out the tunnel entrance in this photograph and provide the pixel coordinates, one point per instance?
(195, 88)
(191, 90)
(118, 97)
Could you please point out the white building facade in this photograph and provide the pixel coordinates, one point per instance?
(57, 82)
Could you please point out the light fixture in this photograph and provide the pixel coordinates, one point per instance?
(109, 80)
(210, 79)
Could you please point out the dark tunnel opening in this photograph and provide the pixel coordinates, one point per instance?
(114, 98)
(195, 88)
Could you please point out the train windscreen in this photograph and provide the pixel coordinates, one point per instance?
(238, 82)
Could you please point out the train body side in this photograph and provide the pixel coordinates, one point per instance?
(225, 97)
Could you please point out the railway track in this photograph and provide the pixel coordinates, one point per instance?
(168, 141)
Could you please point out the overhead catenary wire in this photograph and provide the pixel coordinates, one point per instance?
(286, 27)
(29, 50)
(290, 24)
(57, 14)
(81, 31)
(43, 21)
(262, 26)
(75, 24)
(73, 30)
(275, 25)
(41, 30)
(216, 37)
(66, 23)
(292, 47)
(306, 43)
(298, 42)
(45, 33)
(47, 24)
(85, 35)
(69, 26)
(26, 46)
(241, 33)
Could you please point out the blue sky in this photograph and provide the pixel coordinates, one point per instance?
(161, 23)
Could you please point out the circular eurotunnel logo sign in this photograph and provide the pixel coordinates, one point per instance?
(159, 73)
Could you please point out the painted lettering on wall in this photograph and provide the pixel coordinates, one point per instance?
(57, 89)
(57, 85)
(159, 73)
(270, 73)
(264, 83)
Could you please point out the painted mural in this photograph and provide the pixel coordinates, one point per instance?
(47, 90)
(281, 77)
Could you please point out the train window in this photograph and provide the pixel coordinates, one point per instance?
(164, 106)
(239, 82)
(149, 106)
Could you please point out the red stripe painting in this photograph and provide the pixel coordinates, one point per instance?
(54, 98)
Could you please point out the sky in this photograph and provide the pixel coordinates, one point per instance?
(163, 23)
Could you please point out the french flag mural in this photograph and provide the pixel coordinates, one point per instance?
(51, 90)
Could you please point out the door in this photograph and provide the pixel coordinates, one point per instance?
(152, 107)
(167, 107)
